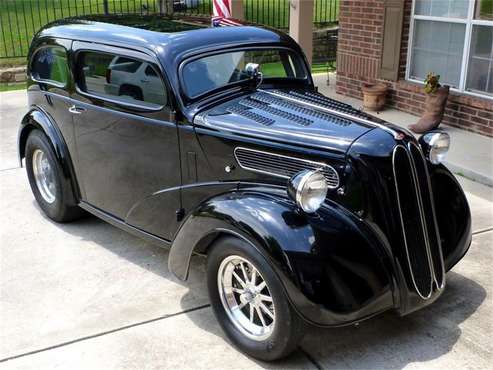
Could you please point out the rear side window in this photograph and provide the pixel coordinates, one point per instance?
(50, 65)
(120, 78)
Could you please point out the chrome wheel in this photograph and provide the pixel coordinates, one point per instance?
(44, 176)
(246, 298)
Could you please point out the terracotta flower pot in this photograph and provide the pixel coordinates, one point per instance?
(374, 96)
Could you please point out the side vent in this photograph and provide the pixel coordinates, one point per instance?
(282, 166)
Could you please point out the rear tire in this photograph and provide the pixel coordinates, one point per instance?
(52, 190)
(270, 337)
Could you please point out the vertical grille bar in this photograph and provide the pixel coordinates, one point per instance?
(429, 215)
(418, 219)
(414, 235)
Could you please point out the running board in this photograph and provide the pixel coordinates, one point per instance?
(163, 243)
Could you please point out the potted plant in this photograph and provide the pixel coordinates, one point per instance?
(436, 99)
(374, 96)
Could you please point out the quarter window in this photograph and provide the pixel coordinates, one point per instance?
(50, 65)
(120, 78)
(453, 38)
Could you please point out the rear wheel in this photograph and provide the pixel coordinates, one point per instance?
(52, 190)
(249, 301)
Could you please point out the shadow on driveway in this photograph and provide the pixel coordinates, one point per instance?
(386, 341)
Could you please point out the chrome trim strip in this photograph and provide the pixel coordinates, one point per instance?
(440, 285)
(403, 228)
(320, 165)
(394, 133)
(421, 212)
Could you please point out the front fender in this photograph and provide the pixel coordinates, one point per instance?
(38, 119)
(333, 268)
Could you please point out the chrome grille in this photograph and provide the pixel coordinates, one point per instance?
(418, 221)
(282, 166)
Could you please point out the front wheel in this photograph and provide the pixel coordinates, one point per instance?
(249, 301)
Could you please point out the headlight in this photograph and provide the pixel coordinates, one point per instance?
(308, 189)
(435, 146)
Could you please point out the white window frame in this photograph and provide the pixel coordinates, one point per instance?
(469, 22)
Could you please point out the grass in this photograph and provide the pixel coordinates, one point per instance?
(275, 13)
(486, 10)
(20, 19)
(11, 86)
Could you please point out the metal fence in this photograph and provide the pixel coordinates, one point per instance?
(20, 19)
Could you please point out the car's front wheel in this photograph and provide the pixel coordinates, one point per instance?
(249, 301)
(52, 190)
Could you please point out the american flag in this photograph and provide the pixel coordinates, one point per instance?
(221, 16)
(221, 8)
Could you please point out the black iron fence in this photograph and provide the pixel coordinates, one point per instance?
(20, 19)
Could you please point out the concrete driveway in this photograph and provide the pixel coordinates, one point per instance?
(87, 295)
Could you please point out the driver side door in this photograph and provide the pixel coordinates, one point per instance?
(127, 144)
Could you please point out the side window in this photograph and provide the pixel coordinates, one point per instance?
(121, 78)
(50, 64)
(151, 72)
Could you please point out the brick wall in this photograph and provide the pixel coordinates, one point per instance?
(358, 59)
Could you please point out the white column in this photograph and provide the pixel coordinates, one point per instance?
(301, 24)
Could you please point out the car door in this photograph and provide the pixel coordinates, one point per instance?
(51, 84)
(127, 146)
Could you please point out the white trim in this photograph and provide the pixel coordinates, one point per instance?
(469, 22)
(440, 19)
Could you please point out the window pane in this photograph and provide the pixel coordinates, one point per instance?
(442, 8)
(122, 78)
(479, 78)
(484, 10)
(437, 47)
(50, 64)
(212, 72)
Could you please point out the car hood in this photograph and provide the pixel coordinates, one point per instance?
(295, 116)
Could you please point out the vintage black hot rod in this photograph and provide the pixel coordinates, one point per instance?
(215, 141)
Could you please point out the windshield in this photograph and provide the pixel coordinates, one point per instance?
(211, 72)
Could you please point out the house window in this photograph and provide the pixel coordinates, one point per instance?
(453, 38)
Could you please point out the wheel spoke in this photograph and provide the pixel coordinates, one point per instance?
(245, 275)
(242, 283)
(261, 316)
(266, 310)
(251, 312)
(266, 298)
(254, 276)
(241, 305)
(260, 287)
(238, 290)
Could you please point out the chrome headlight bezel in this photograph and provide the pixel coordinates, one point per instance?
(435, 145)
(304, 182)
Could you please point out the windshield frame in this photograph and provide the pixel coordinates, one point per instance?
(305, 81)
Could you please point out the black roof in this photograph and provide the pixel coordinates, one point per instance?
(165, 36)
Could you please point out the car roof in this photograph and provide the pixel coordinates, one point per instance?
(167, 37)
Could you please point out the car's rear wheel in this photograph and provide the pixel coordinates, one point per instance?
(52, 190)
(249, 301)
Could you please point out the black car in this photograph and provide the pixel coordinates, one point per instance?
(218, 143)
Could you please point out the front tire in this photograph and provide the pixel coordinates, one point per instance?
(52, 190)
(249, 301)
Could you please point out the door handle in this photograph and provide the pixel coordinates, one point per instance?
(76, 110)
(144, 81)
